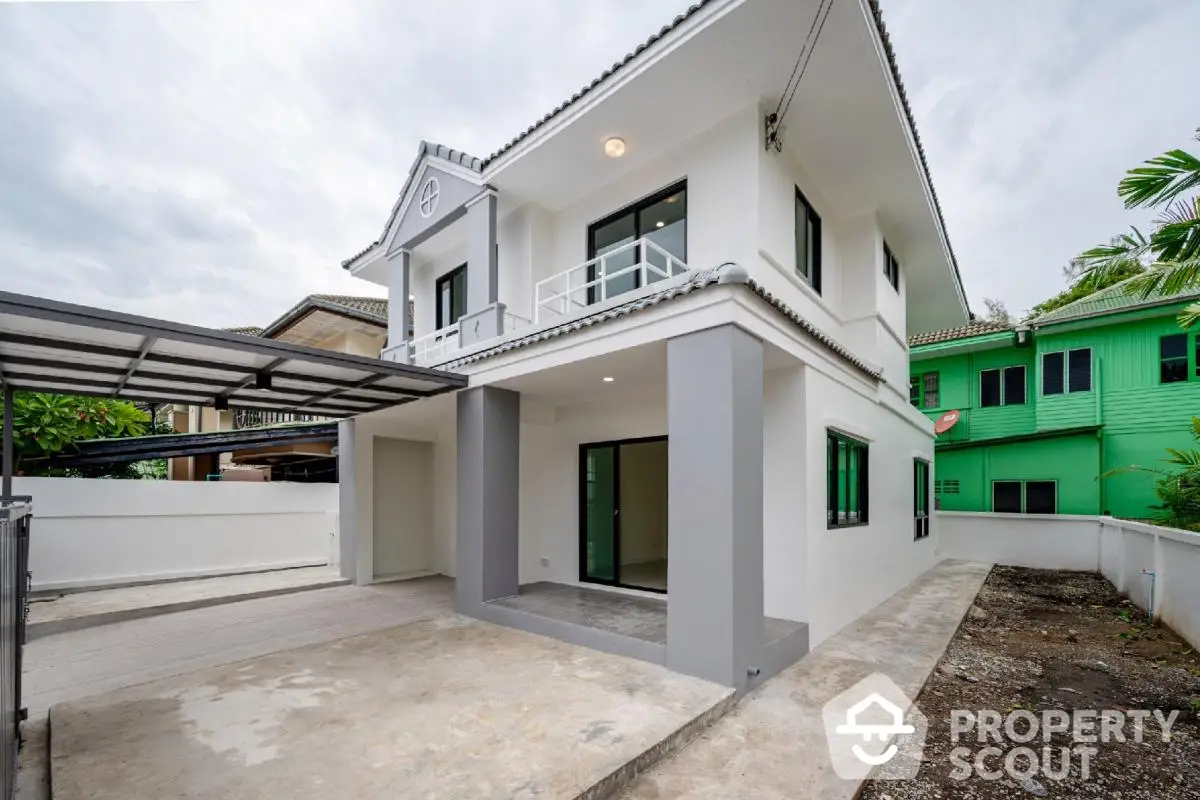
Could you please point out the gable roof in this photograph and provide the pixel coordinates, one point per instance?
(366, 309)
(1115, 299)
(962, 332)
(478, 165)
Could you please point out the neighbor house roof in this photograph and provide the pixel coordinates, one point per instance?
(366, 309)
(692, 281)
(478, 165)
(1115, 299)
(245, 330)
(962, 332)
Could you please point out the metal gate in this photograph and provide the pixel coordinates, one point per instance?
(16, 514)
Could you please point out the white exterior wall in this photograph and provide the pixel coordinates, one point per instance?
(1156, 567)
(854, 569)
(93, 532)
(549, 523)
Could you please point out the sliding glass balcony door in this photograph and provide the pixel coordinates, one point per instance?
(660, 218)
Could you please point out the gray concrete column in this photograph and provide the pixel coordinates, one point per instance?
(489, 435)
(485, 314)
(483, 280)
(399, 289)
(347, 501)
(715, 504)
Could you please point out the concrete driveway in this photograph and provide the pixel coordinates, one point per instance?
(445, 707)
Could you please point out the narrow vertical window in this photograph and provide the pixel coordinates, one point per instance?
(1173, 358)
(914, 391)
(1006, 497)
(1014, 386)
(929, 390)
(1079, 370)
(891, 267)
(920, 498)
(1052, 373)
(989, 388)
(450, 292)
(847, 471)
(808, 242)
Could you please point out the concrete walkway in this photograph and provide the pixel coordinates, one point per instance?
(772, 746)
(67, 612)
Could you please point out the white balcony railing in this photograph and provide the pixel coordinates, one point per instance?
(595, 281)
(433, 346)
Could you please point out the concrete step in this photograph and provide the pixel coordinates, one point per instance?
(58, 613)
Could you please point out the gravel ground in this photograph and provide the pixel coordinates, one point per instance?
(1047, 641)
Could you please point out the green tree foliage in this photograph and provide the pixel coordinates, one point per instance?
(48, 424)
(1170, 183)
(1082, 283)
(1177, 487)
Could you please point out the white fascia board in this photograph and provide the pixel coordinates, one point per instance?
(612, 84)
(911, 139)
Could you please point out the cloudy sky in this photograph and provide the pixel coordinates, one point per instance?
(212, 162)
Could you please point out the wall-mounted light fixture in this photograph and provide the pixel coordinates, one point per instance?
(614, 147)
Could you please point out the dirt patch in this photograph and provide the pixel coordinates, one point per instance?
(1041, 641)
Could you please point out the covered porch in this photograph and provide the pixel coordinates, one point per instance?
(615, 501)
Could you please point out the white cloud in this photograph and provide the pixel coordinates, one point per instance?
(212, 162)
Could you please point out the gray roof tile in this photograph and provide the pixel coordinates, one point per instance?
(691, 282)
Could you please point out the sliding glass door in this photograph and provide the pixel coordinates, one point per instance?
(623, 513)
(660, 218)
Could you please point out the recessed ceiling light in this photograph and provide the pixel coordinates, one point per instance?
(659, 224)
(608, 379)
(614, 147)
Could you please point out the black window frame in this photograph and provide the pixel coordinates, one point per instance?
(891, 267)
(832, 439)
(921, 499)
(635, 208)
(1060, 378)
(1023, 497)
(812, 274)
(1162, 359)
(1002, 381)
(448, 280)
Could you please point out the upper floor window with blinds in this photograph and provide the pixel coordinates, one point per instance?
(1067, 371)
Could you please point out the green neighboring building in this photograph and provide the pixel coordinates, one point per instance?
(1048, 405)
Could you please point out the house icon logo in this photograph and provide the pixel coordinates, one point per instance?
(874, 730)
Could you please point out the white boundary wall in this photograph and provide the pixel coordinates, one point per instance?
(96, 532)
(1139, 559)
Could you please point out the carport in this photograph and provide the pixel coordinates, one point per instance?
(48, 346)
(62, 348)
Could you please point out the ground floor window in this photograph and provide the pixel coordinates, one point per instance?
(920, 498)
(847, 474)
(1025, 497)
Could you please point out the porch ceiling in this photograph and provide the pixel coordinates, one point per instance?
(48, 346)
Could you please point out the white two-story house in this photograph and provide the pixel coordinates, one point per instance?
(682, 300)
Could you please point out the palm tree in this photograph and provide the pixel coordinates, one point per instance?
(1171, 183)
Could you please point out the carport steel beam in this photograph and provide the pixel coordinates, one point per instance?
(346, 395)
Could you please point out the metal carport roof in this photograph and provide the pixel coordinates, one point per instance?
(49, 346)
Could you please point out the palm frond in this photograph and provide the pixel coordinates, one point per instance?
(1189, 316)
(1126, 252)
(1167, 278)
(1160, 179)
(1177, 237)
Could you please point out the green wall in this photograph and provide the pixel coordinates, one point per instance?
(1139, 417)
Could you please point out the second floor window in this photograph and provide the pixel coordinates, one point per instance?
(923, 390)
(661, 219)
(808, 242)
(1002, 387)
(891, 267)
(1067, 371)
(1173, 358)
(450, 294)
